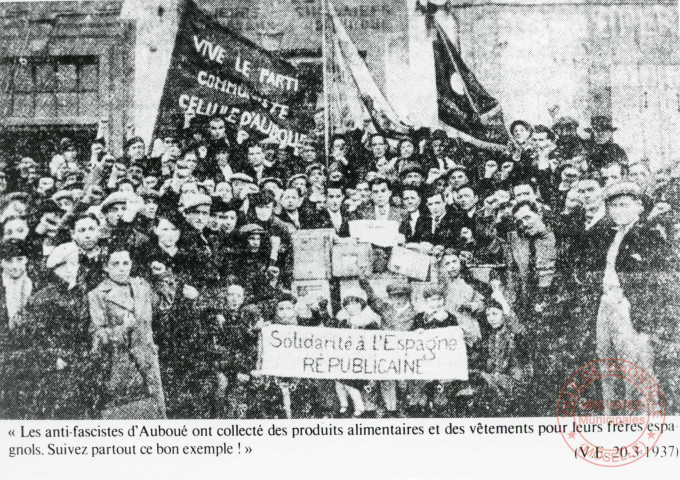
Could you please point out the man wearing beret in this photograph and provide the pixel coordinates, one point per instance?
(639, 309)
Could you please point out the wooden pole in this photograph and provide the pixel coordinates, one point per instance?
(324, 63)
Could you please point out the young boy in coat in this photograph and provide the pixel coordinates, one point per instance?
(431, 396)
(397, 314)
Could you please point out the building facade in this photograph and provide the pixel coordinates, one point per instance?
(66, 66)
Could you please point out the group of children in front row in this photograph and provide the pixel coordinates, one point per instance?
(496, 357)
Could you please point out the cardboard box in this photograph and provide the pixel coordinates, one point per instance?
(309, 290)
(312, 254)
(350, 258)
(411, 263)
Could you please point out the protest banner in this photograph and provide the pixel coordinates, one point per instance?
(332, 353)
(215, 71)
(383, 233)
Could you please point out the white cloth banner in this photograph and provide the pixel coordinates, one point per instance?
(334, 353)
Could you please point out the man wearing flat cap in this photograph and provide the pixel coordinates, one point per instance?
(200, 269)
(602, 148)
(116, 227)
(639, 311)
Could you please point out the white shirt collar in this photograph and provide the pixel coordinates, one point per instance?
(599, 215)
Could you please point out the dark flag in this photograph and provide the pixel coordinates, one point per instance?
(462, 101)
(214, 71)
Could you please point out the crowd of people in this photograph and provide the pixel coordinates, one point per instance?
(135, 286)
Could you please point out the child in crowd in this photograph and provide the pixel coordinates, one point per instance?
(397, 314)
(430, 395)
(500, 371)
(354, 314)
(234, 333)
(298, 397)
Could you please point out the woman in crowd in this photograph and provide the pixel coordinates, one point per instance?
(55, 375)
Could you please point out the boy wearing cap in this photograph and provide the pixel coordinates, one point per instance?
(235, 342)
(431, 396)
(397, 314)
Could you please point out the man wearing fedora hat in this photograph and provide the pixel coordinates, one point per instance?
(602, 149)
(569, 144)
(639, 308)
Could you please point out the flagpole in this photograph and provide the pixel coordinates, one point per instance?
(324, 62)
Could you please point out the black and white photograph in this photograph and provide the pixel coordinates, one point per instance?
(346, 210)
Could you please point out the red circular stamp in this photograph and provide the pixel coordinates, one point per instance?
(611, 412)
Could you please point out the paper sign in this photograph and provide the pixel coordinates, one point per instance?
(383, 233)
(312, 254)
(334, 353)
(411, 263)
(350, 258)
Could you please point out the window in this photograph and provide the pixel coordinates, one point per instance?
(49, 88)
